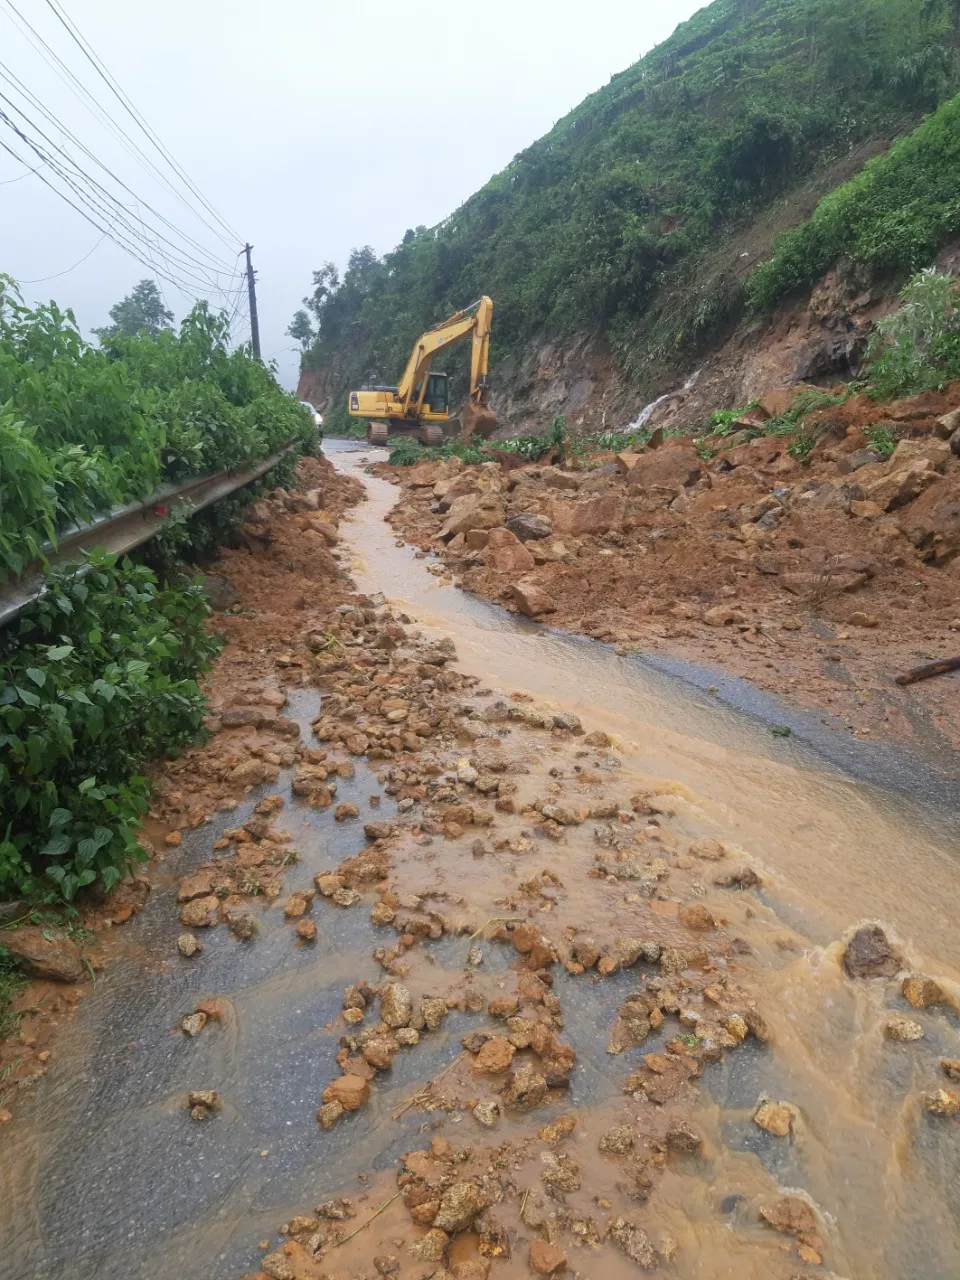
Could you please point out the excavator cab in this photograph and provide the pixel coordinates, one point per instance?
(437, 397)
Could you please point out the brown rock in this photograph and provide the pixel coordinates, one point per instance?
(683, 1139)
(396, 1005)
(307, 930)
(460, 1204)
(672, 467)
(350, 1091)
(526, 1088)
(531, 599)
(951, 1067)
(196, 886)
(558, 1129)
(431, 1248)
(790, 1215)
(869, 954)
(189, 946)
(46, 953)
(941, 1102)
(546, 1259)
(922, 992)
(618, 1140)
(494, 1056)
(697, 917)
(635, 1243)
(505, 553)
(200, 913)
(329, 1114)
(897, 1027)
(472, 511)
(898, 488)
(777, 1118)
(346, 810)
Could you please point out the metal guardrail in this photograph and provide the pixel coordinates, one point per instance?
(128, 527)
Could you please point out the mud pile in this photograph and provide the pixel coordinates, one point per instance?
(820, 576)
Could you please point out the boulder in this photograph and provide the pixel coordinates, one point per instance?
(505, 553)
(529, 527)
(46, 953)
(473, 511)
(349, 1090)
(531, 599)
(673, 467)
(221, 593)
(898, 488)
(596, 515)
(869, 954)
(932, 453)
(554, 478)
(933, 523)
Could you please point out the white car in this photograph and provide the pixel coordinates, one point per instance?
(317, 417)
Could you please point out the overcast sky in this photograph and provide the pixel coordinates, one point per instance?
(310, 127)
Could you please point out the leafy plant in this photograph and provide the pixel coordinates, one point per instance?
(917, 347)
(406, 453)
(12, 983)
(100, 676)
(882, 439)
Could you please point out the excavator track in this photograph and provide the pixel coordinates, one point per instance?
(377, 433)
(432, 435)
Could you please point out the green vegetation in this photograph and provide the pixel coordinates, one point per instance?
(12, 983)
(882, 439)
(84, 429)
(917, 347)
(141, 311)
(893, 216)
(623, 219)
(100, 675)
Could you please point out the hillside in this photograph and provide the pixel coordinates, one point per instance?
(628, 234)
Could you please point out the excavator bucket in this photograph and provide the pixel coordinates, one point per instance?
(477, 422)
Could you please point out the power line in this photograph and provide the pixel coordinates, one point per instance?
(109, 80)
(7, 181)
(89, 253)
(14, 82)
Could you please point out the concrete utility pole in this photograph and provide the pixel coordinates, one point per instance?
(252, 291)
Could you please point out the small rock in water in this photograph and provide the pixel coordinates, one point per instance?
(188, 945)
(635, 1243)
(922, 992)
(329, 1114)
(568, 721)
(869, 954)
(941, 1102)
(546, 1259)
(431, 1248)
(307, 930)
(475, 957)
(242, 925)
(202, 1103)
(396, 1005)
(951, 1067)
(777, 1118)
(791, 1215)
(193, 1024)
(684, 1139)
(349, 1090)
(486, 1114)
(898, 1027)
(618, 1140)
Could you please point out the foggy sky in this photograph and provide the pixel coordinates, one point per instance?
(310, 127)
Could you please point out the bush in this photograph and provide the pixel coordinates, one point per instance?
(893, 216)
(84, 429)
(100, 676)
(917, 347)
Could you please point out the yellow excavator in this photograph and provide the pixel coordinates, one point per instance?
(420, 403)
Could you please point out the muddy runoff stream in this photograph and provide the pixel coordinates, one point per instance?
(106, 1176)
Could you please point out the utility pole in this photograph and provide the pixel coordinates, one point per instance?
(252, 292)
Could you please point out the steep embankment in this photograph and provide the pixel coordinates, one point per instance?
(621, 249)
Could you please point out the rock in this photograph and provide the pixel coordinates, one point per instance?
(723, 615)
(589, 516)
(505, 553)
(383, 913)
(200, 913)
(598, 739)
(431, 1248)
(328, 883)
(221, 593)
(951, 1067)
(472, 511)
(396, 1005)
(307, 930)
(941, 1102)
(459, 1205)
(777, 1118)
(241, 924)
(526, 1088)
(494, 1056)
(196, 886)
(546, 1259)
(869, 954)
(386, 1265)
(46, 953)
(790, 1215)
(296, 906)
(193, 1024)
(380, 1052)
(672, 467)
(556, 1130)
(851, 462)
(922, 992)
(531, 599)
(947, 425)
(860, 619)
(250, 773)
(554, 478)
(378, 830)
(635, 1243)
(696, 917)
(433, 1010)
(530, 528)
(618, 1141)
(329, 1114)
(346, 810)
(560, 1173)
(189, 946)
(277, 1266)
(349, 1090)
(345, 898)
(564, 815)
(931, 452)
(898, 488)
(567, 721)
(742, 878)
(486, 1114)
(683, 1139)
(897, 1027)
(407, 1036)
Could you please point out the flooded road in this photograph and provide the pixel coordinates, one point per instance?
(103, 1177)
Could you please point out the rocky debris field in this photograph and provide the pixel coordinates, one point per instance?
(821, 576)
(565, 935)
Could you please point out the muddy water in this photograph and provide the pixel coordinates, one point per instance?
(834, 850)
(103, 1176)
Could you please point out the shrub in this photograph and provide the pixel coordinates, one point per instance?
(917, 347)
(100, 676)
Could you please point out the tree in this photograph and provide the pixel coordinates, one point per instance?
(141, 311)
(301, 330)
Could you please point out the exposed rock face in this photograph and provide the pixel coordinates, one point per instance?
(46, 953)
(869, 954)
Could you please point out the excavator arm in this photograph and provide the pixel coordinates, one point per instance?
(475, 319)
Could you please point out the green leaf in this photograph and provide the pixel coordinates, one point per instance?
(60, 818)
(26, 696)
(37, 676)
(58, 652)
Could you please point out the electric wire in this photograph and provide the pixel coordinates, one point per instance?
(14, 83)
(103, 71)
(90, 101)
(7, 181)
(58, 274)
